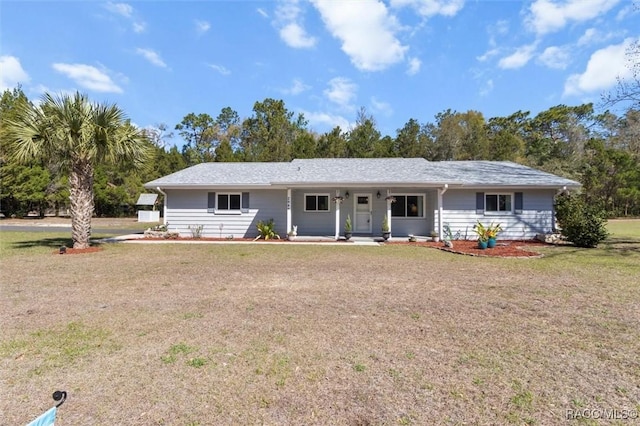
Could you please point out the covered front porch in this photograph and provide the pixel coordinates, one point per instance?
(313, 211)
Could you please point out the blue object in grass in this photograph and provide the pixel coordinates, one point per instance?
(46, 419)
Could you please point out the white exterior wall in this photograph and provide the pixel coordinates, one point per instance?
(537, 214)
(189, 207)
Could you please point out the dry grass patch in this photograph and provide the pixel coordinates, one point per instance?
(285, 334)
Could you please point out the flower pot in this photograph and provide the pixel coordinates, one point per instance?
(386, 235)
(482, 245)
(491, 243)
(435, 239)
(347, 236)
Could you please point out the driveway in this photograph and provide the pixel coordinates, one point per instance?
(114, 226)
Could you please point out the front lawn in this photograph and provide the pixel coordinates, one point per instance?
(291, 334)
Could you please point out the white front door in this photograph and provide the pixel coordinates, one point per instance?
(362, 213)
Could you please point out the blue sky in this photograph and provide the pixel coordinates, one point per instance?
(400, 59)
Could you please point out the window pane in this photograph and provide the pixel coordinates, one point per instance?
(398, 208)
(310, 202)
(223, 202)
(412, 206)
(505, 203)
(491, 204)
(234, 202)
(323, 202)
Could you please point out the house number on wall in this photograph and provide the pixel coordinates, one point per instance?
(288, 203)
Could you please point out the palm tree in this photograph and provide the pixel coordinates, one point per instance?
(77, 135)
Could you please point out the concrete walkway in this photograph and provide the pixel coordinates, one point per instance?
(300, 240)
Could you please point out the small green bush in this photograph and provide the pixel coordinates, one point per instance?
(580, 223)
(267, 230)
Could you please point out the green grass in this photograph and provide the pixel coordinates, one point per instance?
(59, 346)
(624, 229)
(14, 243)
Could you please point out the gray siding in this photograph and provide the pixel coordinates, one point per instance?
(189, 208)
(313, 223)
(419, 226)
(323, 223)
(537, 214)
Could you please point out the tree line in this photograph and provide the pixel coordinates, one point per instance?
(599, 149)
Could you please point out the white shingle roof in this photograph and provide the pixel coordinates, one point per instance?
(361, 171)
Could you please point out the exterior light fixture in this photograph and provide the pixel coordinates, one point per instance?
(347, 195)
(378, 194)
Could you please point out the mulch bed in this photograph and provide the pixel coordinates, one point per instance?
(511, 248)
(70, 250)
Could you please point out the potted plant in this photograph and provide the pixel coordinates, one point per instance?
(434, 236)
(385, 228)
(483, 239)
(347, 228)
(492, 232)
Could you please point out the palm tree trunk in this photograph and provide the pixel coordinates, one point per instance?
(81, 199)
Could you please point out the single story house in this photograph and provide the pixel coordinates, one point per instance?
(316, 195)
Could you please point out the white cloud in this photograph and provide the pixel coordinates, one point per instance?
(341, 91)
(295, 36)
(488, 54)
(220, 69)
(297, 87)
(202, 26)
(139, 27)
(152, 56)
(499, 29)
(519, 58)
(414, 66)
(547, 16)
(603, 69)
(325, 119)
(593, 35)
(11, 73)
(289, 21)
(588, 36)
(88, 76)
(366, 30)
(126, 11)
(629, 10)
(487, 88)
(381, 107)
(555, 57)
(430, 8)
(122, 9)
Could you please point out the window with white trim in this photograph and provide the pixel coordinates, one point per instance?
(229, 201)
(498, 203)
(316, 202)
(408, 205)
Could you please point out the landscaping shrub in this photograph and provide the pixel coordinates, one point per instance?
(581, 223)
(267, 230)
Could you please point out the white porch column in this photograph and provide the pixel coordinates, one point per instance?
(288, 210)
(164, 205)
(441, 192)
(389, 209)
(337, 236)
